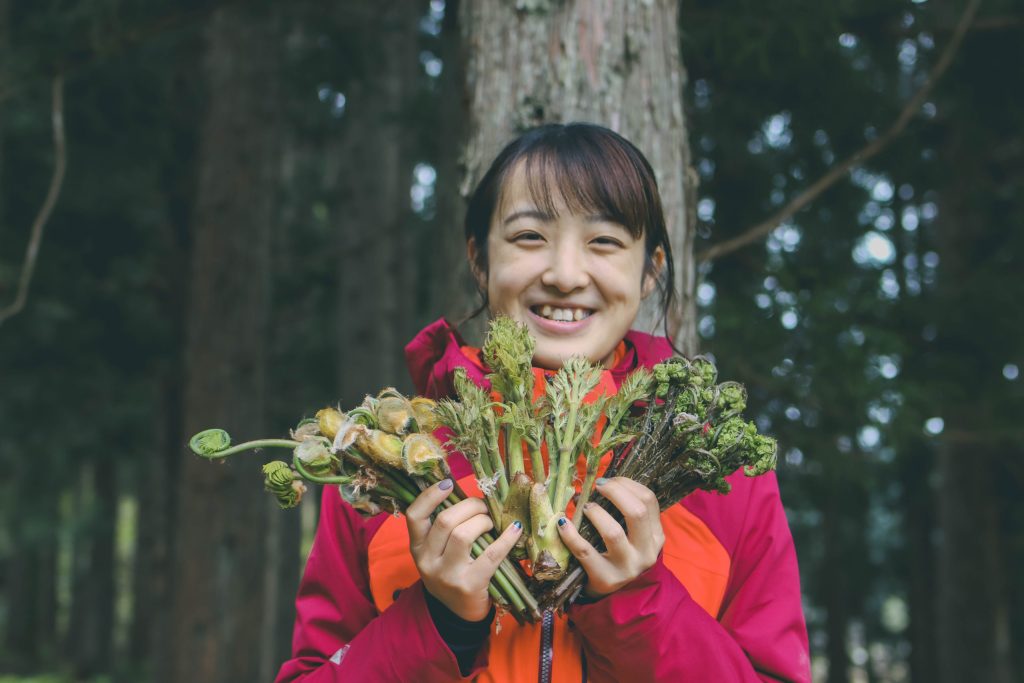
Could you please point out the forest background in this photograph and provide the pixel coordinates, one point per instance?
(233, 213)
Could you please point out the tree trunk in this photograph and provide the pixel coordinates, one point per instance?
(447, 270)
(158, 477)
(837, 593)
(973, 622)
(221, 511)
(151, 605)
(22, 580)
(616, 64)
(89, 637)
(919, 526)
(377, 294)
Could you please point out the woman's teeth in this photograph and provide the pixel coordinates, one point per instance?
(563, 314)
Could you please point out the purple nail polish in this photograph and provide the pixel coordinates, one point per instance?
(517, 524)
(445, 484)
(562, 521)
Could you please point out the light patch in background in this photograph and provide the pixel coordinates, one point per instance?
(874, 249)
(431, 23)
(705, 294)
(424, 176)
(888, 366)
(882, 191)
(706, 326)
(889, 284)
(785, 238)
(869, 437)
(789, 319)
(706, 209)
(1011, 371)
(934, 425)
(776, 131)
(334, 98)
(910, 218)
(431, 64)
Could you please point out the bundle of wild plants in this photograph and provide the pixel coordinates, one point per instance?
(691, 436)
(381, 455)
(672, 429)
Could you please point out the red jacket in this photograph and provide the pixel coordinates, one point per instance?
(722, 603)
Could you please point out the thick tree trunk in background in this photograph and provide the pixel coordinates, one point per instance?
(151, 605)
(221, 512)
(973, 621)
(919, 527)
(973, 634)
(447, 271)
(837, 595)
(616, 64)
(23, 576)
(94, 655)
(89, 637)
(158, 476)
(376, 297)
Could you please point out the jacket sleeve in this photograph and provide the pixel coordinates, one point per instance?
(339, 634)
(662, 634)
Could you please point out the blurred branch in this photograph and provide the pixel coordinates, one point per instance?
(874, 147)
(60, 164)
(119, 42)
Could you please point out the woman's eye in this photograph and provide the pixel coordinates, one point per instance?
(608, 241)
(527, 237)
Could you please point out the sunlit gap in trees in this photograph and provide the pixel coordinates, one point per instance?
(421, 193)
(431, 23)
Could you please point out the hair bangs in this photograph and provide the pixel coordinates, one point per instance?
(589, 178)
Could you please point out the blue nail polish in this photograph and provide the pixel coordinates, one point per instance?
(517, 524)
(445, 484)
(562, 521)
(601, 481)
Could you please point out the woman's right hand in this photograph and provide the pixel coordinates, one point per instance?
(441, 550)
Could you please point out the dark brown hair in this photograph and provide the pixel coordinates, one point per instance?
(594, 170)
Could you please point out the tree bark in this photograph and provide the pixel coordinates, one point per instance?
(158, 477)
(221, 513)
(612, 63)
(973, 622)
(376, 293)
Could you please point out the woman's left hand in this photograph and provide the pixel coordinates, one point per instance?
(629, 554)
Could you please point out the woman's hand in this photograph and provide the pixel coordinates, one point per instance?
(441, 550)
(629, 554)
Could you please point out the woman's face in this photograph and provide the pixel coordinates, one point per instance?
(575, 280)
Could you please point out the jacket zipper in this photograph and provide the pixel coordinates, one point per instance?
(547, 631)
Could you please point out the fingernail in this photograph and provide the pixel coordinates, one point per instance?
(517, 524)
(601, 481)
(562, 521)
(445, 484)
(588, 506)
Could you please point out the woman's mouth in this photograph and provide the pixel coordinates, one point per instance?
(563, 314)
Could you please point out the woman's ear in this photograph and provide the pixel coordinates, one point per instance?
(473, 256)
(653, 272)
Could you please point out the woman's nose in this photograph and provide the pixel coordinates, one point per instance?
(566, 269)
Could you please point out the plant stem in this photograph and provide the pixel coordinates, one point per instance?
(537, 463)
(297, 463)
(566, 453)
(515, 454)
(252, 445)
(497, 466)
(586, 490)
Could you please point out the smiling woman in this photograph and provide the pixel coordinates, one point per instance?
(566, 234)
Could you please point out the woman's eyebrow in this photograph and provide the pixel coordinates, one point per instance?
(529, 213)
